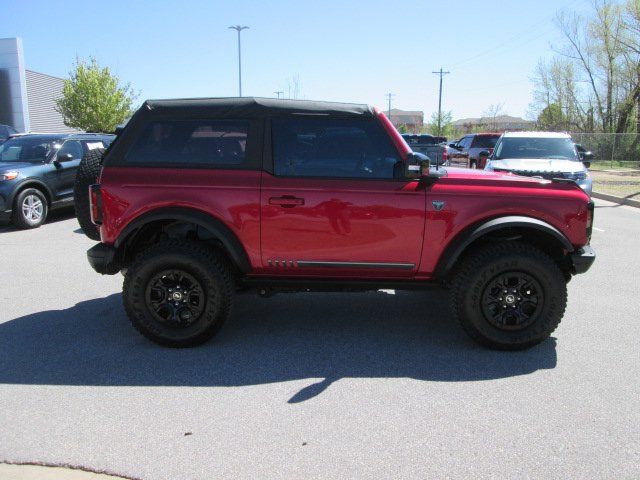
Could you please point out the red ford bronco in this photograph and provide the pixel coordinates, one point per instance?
(199, 199)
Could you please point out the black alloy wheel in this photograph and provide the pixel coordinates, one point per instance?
(175, 298)
(511, 301)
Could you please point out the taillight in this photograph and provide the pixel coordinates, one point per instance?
(590, 211)
(95, 203)
(445, 155)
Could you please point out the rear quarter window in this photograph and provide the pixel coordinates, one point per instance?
(485, 141)
(192, 143)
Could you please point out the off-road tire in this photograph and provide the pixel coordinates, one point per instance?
(481, 268)
(86, 175)
(17, 214)
(206, 266)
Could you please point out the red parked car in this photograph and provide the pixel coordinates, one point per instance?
(198, 200)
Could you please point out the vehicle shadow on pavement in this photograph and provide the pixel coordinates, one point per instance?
(286, 337)
(54, 216)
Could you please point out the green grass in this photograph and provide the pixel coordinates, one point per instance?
(614, 165)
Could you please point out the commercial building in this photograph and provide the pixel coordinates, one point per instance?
(27, 98)
(500, 123)
(411, 121)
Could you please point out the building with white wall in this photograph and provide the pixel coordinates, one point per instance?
(27, 98)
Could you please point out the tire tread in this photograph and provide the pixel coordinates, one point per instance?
(480, 258)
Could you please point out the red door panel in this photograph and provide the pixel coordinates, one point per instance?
(335, 227)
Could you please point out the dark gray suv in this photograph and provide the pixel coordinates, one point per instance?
(37, 173)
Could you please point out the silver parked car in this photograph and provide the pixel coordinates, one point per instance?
(541, 154)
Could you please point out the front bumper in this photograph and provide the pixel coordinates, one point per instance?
(103, 259)
(581, 260)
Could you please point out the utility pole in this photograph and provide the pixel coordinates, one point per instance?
(389, 95)
(442, 74)
(278, 93)
(239, 28)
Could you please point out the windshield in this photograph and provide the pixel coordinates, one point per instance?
(27, 149)
(547, 148)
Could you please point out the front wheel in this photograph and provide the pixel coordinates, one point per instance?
(509, 296)
(29, 209)
(178, 293)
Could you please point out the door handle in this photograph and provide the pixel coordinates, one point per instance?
(286, 201)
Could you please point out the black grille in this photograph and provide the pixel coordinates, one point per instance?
(545, 175)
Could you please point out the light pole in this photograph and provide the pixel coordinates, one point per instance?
(239, 28)
(279, 92)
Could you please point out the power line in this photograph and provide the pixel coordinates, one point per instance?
(517, 40)
(442, 74)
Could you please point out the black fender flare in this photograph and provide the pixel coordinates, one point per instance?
(223, 233)
(459, 244)
(31, 183)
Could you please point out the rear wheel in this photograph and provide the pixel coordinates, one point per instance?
(509, 296)
(473, 164)
(178, 293)
(87, 175)
(29, 209)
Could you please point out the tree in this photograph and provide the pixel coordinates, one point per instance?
(491, 113)
(595, 80)
(551, 118)
(93, 99)
(446, 125)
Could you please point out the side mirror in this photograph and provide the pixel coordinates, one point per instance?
(416, 165)
(586, 159)
(484, 154)
(65, 157)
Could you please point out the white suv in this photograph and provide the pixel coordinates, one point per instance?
(541, 154)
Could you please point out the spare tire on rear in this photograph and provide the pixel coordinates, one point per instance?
(87, 174)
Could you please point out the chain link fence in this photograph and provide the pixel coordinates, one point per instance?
(611, 150)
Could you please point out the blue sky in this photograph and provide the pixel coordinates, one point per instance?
(339, 50)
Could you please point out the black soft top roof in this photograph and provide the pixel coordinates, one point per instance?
(249, 107)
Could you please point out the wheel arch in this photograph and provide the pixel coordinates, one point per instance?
(508, 228)
(185, 216)
(32, 183)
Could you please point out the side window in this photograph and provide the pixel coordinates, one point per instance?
(338, 148)
(197, 143)
(73, 147)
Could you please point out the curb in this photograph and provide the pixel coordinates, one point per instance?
(34, 471)
(612, 198)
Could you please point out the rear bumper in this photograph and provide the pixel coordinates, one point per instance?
(103, 259)
(581, 260)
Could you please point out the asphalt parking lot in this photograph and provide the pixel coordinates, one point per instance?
(373, 385)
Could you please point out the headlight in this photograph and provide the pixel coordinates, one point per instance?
(579, 176)
(8, 175)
